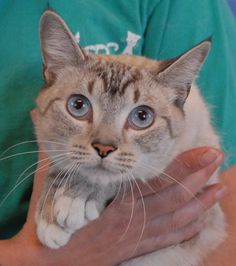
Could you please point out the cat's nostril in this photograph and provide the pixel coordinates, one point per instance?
(103, 150)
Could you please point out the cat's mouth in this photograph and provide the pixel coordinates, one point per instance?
(104, 166)
(101, 166)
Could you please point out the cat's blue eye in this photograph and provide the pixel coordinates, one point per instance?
(141, 117)
(78, 106)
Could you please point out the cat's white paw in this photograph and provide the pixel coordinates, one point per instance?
(70, 212)
(91, 210)
(52, 235)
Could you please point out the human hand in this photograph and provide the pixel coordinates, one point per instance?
(173, 208)
(171, 216)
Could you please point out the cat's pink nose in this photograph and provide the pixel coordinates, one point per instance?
(102, 149)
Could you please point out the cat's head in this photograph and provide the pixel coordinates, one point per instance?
(110, 117)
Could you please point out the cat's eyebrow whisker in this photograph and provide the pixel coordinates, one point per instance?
(17, 185)
(31, 141)
(30, 152)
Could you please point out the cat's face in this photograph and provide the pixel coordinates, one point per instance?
(123, 108)
(113, 119)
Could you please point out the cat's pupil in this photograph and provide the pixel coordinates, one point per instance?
(142, 115)
(78, 104)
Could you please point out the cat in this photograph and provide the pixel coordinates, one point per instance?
(108, 117)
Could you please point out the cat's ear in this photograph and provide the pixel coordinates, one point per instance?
(179, 74)
(59, 47)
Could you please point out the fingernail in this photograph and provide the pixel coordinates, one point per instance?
(220, 193)
(209, 156)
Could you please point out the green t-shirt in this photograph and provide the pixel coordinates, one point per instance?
(154, 28)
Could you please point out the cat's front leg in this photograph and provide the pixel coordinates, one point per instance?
(49, 231)
(69, 211)
(92, 209)
(60, 212)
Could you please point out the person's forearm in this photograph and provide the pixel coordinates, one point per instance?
(92, 245)
(96, 245)
(9, 253)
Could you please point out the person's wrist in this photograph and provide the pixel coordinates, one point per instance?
(97, 245)
(10, 251)
(26, 250)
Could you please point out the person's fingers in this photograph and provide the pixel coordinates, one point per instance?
(187, 214)
(185, 164)
(192, 160)
(165, 240)
(176, 196)
(198, 206)
(139, 214)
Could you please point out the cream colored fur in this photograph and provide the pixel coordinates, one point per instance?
(114, 86)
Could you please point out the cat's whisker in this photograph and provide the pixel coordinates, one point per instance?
(74, 171)
(40, 161)
(144, 214)
(47, 194)
(124, 191)
(18, 184)
(186, 189)
(176, 181)
(30, 152)
(54, 181)
(132, 211)
(118, 191)
(31, 141)
(60, 186)
(70, 176)
(149, 186)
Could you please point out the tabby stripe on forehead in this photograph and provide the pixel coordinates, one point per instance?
(112, 82)
(135, 77)
(125, 85)
(136, 95)
(90, 86)
(168, 122)
(49, 105)
(104, 78)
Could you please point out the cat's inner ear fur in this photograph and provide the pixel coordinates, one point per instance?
(178, 75)
(59, 47)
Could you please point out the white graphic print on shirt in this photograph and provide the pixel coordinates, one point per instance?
(131, 40)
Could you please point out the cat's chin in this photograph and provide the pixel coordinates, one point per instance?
(100, 175)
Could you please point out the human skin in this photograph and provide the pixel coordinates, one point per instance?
(100, 242)
(225, 254)
(171, 214)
